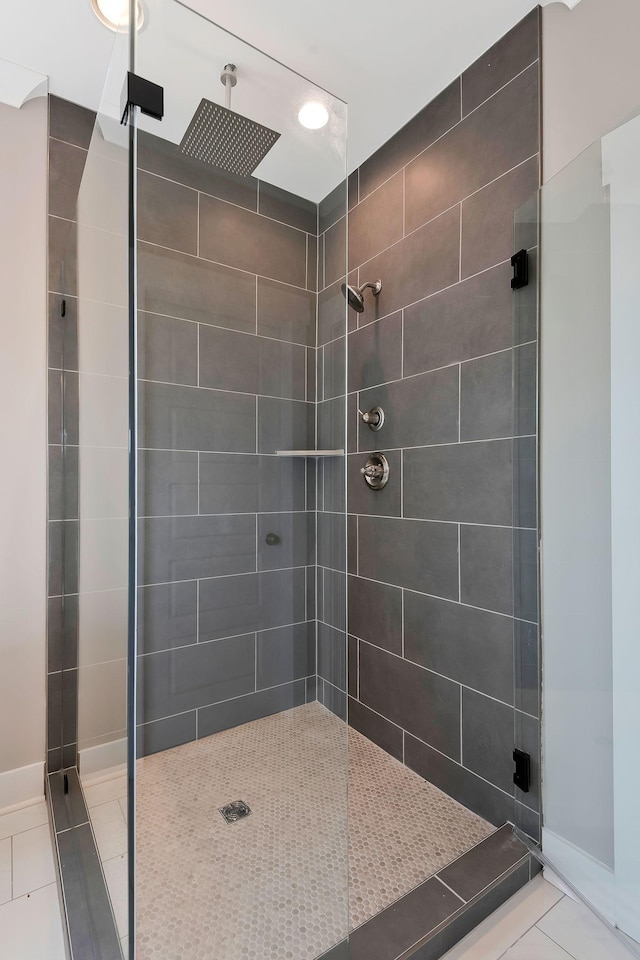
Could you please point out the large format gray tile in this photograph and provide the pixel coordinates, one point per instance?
(62, 407)
(167, 483)
(424, 262)
(362, 499)
(167, 616)
(63, 482)
(470, 646)
(164, 734)
(488, 217)
(333, 359)
(187, 418)
(525, 382)
(527, 667)
(331, 545)
(332, 207)
(66, 165)
(525, 482)
(242, 239)
(179, 680)
(486, 397)
(334, 599)
(332, 314)
(375, 353)
(421, 131)
(332, 656)
(62, 633)
(331, 417)
(285, 425)
(352, 666)
(287, 207)
(63, 557)
(286, 312)
(468, 320)
(239, 483)
(375, 613)
(167, 349)
(165, 159)
(70, 122)
(285, 654)
(187, 548)
(417, 700)
(416, 554)
(62, 249)
(312, 263)
(335, 252)
(247, 364)
(233, 605)
(502, 133)
(296, 540)
(182, 286)
(333, 699)
(466, 482)
(371, 725)
(377, 222)
(503, 61)
(418, 411)
(484, 863)
(254, 706)
(488, 739)
(525, 574)
(486, 568)
(167, 213)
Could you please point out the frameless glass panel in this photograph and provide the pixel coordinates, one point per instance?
(241, 816)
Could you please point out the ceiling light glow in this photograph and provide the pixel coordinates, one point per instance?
(313, 115)
(115, 13)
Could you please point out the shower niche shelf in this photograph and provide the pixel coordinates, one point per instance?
(309, 453)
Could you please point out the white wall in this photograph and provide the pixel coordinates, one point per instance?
(23, 442)
(591, 77)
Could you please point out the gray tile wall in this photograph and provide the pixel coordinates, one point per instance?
(70, 129)
(227, 334)
(442, 563)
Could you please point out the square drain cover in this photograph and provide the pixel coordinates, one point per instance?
(237, 810)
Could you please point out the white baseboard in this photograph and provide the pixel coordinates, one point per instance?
(100, 760)
(594, 881)
(22, 786)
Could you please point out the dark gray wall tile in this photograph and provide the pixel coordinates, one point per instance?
(167, 483)
(486, 397)
(182, 286)
(470, 646)
(287, 207)
(167, 213)
(311, 689)
(285, 654)
(54, 711)
(332, 533)
(167, 616)
(335, 252)
(284, 425)
(249, 364)
(179, 680)
(332, 314)
(62, 248)
(63, 483)
(410, 553)
(352, 667)
(63, 557)
(335, 700)
(353, 189)
(332, 656)
(264, 703)
(362, 499)
(62, 633)
(334, 601)
(296, 546)
(70, 122)
(487, 218)
(184, 418)
(503, 61)
(424, 262)
(239, 483)
(241, 604)
(375, 728)
(167, 349)
(187, 548)
(471, 319)
(55, 380)
(525, 373)
(377, 222)
(486, 579)
(488, 739)
(527, 667)
(375, 353)
(471, 154)
(332, 207)
(426, 705)
(286, 312)
(421, 131)
(312, 262)
(66, 164)
(418, 411)
(375, 613)
(468, 482)
(331, 493)
(527, 738)
(333, 366)
(331, 425)
(352, 544)
(166, 733)
(165, 159)
(525, 574)
(239, 238)
(525, 482)
(63, 332)
(312, 384)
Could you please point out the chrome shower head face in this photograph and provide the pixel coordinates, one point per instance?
(355, 295)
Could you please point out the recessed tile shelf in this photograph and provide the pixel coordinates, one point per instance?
(309, 453)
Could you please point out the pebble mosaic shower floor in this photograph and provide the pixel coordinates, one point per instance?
(275, 886)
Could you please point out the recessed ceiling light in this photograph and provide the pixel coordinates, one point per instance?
(115, 13)
(313, 115)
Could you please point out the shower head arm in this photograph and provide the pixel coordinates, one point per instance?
(376, 287)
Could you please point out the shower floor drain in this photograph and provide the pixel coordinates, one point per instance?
(237, 810)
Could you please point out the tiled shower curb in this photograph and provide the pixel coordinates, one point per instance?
(90, 924)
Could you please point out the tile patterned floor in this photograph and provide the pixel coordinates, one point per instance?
(275, 886)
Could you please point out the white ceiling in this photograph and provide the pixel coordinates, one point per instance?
(386, 60)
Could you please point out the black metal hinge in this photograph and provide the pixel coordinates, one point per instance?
(520, 264)
(522, 775)
(138, 92)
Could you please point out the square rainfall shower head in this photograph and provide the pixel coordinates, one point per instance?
(226, 139)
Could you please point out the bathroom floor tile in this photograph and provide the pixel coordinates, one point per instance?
(580, 933)
(97, 793)
(115, 872)
(35, 815)
(535, 945)
(33, 864)
(32, 926)
(110, 830)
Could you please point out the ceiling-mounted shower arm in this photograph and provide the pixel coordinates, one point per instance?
(228, 79)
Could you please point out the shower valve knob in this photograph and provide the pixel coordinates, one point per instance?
(375, 472)
(374, 418)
